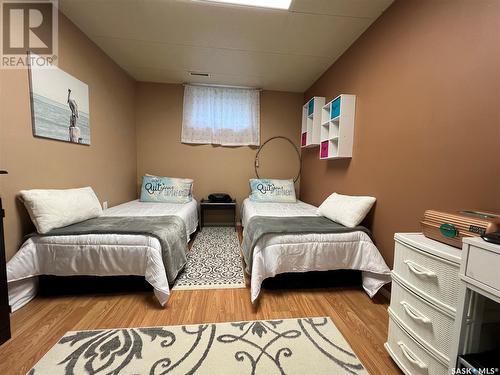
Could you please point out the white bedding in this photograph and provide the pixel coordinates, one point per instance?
(97, 255)
(281, 253)
(188, 212)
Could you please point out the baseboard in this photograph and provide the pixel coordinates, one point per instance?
(224, 224)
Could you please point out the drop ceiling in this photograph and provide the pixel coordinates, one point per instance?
(165, 40)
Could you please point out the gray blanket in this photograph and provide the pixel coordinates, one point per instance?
(259, 226)
(169, 230)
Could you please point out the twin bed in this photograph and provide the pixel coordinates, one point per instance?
(98, 254)
(276, 253)
(113, 254)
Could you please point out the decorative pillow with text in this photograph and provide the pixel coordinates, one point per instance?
(267, 190)
(166, 189)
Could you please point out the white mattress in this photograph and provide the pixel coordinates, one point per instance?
(250, 209)
(188, 212)
(281, 253)
(97, 255)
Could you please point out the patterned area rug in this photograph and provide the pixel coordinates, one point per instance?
(213, 262)
(293, 346)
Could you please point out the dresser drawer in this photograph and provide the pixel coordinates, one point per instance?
(432, 326)
(410, 356)
(432, 277)
(482, 265)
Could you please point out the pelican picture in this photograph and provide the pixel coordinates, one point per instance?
(59, 106)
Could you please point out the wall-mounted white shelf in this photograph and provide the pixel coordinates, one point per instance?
(311, 122)
(337, 127)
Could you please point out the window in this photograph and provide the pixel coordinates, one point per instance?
(221, 115)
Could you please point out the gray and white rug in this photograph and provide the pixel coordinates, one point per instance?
(213, 262)
(292, 346)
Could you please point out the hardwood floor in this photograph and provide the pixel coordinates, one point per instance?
(38, 326)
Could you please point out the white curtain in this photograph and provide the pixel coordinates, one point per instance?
(221, 115)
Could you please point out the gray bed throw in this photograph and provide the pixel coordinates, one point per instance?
(169, 230)
(259, 226)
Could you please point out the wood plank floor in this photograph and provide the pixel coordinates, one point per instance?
(38, 326)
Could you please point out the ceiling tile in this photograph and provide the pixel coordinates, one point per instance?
(325, 36)
(346, 8)
(282, 50)
(295, 69)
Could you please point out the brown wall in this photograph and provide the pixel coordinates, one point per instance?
(427, 129)
(108, 165)
(213, 168)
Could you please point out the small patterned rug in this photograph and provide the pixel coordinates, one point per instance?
(213, 262)
(292, 346)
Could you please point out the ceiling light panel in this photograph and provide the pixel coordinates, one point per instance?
(275, 4)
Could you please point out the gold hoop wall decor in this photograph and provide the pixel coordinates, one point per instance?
(256, 164)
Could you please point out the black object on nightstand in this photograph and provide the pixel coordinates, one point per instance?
(4, 295)
(209, 205)
(492, 237)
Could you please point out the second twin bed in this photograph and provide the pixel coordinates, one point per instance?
(288, 247)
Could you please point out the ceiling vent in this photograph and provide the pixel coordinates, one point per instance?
(198, 74)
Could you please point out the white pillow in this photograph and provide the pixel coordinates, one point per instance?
(347, 210)
(50, 209)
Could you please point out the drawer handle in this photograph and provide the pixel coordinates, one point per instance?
(419, 270)
(414, 313)
(410, 356)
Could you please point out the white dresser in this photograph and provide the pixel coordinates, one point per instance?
(423, 307)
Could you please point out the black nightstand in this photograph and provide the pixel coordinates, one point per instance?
(208, 205)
